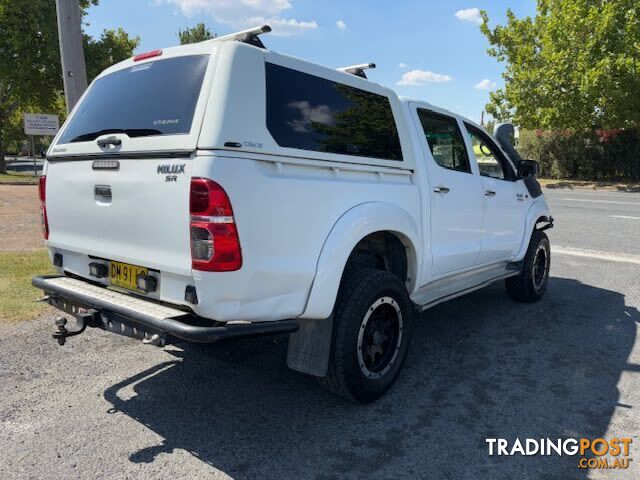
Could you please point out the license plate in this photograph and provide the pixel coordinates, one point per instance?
(124, 275)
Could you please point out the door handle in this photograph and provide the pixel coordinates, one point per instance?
(490, 193)
(105, 142)
(441, 189)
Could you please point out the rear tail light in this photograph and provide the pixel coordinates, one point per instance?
(42, 191)
(215, 246)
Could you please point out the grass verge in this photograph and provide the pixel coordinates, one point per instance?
(14, 177)
(587, 185)
(17, 296)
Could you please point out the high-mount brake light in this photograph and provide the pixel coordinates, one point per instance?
(145, 55)
(42, 193)
(215, 246)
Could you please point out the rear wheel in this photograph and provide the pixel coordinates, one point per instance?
(531, 283)
(371, 331)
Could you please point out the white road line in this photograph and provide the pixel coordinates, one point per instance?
(597, 254)
(626, 216)
(597, 201)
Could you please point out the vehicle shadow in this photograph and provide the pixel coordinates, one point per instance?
(480, 367)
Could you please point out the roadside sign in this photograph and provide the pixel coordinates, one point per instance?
(41, 124)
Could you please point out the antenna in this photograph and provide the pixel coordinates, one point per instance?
(358, 70)
(249, 36)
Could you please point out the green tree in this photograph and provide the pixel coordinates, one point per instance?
(27, 65)
(576, 64)
(30, 70)
(490, 125)
(113, 46)
(195, 34)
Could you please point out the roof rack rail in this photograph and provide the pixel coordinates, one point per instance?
(249, 36)
(358, 70)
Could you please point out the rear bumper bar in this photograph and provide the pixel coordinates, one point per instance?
(136, 313)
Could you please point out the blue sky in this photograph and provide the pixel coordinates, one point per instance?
(432, 50)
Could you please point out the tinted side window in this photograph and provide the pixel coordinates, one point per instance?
(445, 140)
(312, 113)
(487, 162)
(491, 162)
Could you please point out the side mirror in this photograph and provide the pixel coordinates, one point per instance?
(528, 168)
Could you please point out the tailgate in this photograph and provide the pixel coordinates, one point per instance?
(136, 213)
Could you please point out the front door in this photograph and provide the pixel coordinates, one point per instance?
(455, 194)
(503, 198)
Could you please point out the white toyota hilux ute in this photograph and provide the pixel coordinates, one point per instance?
(220, 190)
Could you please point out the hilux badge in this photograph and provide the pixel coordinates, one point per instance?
(171, 171)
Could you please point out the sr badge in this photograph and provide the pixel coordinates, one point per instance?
(171, 172)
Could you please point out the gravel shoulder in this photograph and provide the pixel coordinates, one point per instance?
(19, 218)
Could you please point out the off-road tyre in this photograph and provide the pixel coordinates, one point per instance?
(370, 302)
(531, 283)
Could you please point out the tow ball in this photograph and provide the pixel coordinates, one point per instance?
(90, 318)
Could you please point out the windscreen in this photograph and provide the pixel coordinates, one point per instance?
(153, 98)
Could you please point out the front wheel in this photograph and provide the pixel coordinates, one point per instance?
(371, 332)
(531, 283)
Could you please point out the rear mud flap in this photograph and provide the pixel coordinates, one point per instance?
(310, 347)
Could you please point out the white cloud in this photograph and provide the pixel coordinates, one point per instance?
(242, 14)
(420, 77)
(341, 25)
(319, 114)
(469, 15)
(485, 84)
(402, 65)
(282, 27)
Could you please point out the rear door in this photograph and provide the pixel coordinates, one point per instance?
(126, 211)
(119, 171)
(455, 193)
(503, 199)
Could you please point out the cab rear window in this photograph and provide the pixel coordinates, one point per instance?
(151, 98)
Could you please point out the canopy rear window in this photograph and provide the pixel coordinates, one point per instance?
(152, 98)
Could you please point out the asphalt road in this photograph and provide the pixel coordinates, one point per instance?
(481, 366)
(605, 221)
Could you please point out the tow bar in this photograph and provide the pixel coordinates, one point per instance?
(90, 318)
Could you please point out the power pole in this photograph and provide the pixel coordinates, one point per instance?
(74, 72)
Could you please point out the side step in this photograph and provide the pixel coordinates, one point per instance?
(71, 294)
(454, 286)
